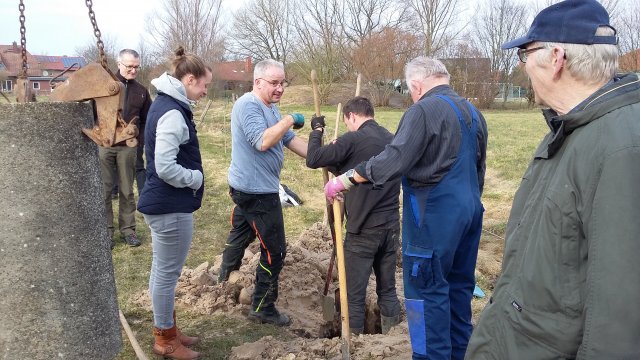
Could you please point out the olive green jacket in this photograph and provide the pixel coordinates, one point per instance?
(570, 283)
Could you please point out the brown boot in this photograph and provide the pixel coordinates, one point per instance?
(184, 339)
(168, 345)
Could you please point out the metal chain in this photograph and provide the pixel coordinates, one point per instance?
(96, 32)
(23, 41)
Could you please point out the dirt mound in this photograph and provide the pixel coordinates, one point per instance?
(394, 345)
(300, 295)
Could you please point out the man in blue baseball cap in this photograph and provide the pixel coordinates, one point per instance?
(570, 269)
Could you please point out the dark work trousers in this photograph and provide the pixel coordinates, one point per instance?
(257, 215)
(371, 248)
(141, 173)
(119, 160)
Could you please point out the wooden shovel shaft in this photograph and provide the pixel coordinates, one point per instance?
(132, 338)
(325, 179)
(344, 304)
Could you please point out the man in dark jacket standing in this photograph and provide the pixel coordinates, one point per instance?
(570, 275)
(439, 149)
(118, 163)
(373, 219)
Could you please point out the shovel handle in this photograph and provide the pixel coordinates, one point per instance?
(342, 279)
(316, 94)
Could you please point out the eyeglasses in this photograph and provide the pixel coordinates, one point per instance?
(275, 83)
(523, 54)
(131, 67)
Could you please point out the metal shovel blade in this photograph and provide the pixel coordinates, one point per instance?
(328, 308)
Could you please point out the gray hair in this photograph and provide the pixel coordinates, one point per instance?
(590, 64)
(128, 52)
(423, 67)
(264, 65)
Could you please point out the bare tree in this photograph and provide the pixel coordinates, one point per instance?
(90, 52)
(147, 63)
(499, 22)
(320, 42)
(469, 69)
(437, 20)
(363, 18)
(260, 30)
(381, 57)
(629, 29)
(194, 24)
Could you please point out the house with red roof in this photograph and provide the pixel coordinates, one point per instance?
(233, 76)
(41, 69)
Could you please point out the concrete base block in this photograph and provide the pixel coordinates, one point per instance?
(58, 296)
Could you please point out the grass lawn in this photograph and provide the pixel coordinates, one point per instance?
(513, 136)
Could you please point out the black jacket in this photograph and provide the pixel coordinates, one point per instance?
(136, 103)
(365, 207)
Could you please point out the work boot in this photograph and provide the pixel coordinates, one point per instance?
(184, 339)
(387, 322)
(168, 345)
(223, 275)
(270, 317)
(132, 240)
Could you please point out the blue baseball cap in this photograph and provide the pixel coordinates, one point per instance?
(570, 21)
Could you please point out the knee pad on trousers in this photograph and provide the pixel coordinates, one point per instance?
(417, 325)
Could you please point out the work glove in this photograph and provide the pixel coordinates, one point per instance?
(317, 122)
(335, 186)
(298, 120)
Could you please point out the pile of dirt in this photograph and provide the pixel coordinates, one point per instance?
(300, 296)
(395, 346)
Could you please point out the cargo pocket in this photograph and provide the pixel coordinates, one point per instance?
(419, 261)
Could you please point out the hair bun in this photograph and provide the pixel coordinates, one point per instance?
(179, 51)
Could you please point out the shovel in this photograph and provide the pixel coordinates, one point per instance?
(344, 305)
(328, 303)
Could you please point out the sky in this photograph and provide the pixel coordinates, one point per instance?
(59, 27)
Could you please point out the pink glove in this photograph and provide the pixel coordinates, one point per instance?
(337, 185)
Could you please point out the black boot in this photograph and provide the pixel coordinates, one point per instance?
(270, 317)
(387, 322)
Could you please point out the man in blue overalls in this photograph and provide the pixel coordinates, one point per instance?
(439, 150)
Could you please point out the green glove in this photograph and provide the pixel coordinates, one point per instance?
(298, 120)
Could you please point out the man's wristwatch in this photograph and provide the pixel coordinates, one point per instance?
(350, 174)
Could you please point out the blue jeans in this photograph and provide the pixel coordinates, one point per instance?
(171, 236)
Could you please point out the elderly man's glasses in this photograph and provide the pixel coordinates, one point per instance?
(523, 54)
(276, 83)
(131, 67)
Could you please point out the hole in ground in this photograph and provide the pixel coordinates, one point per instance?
(334, 328)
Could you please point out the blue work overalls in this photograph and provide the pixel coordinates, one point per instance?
(441, 228)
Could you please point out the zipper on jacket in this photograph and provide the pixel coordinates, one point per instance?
(516, 306)
(125, 106)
